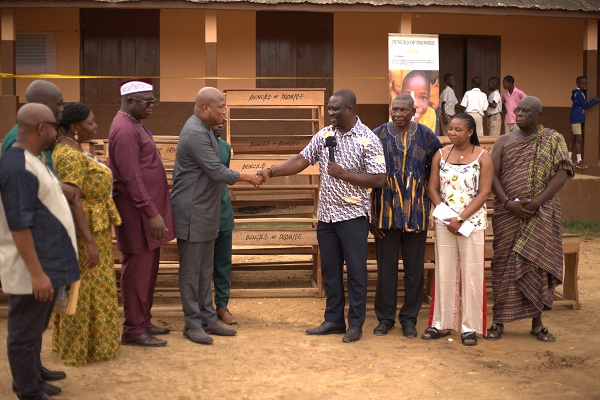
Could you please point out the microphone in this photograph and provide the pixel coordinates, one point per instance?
(331, 142)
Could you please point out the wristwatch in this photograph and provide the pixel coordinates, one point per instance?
(459, 219)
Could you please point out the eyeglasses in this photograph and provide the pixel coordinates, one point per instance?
(149, 103)
(55, 124)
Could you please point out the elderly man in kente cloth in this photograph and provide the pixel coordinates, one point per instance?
(531, 164)
(141, 193)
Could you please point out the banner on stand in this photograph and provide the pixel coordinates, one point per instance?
(413, 63)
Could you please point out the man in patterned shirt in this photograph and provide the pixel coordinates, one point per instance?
(344, 209)
(401, 215)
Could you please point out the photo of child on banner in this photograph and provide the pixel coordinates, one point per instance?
(423, 86)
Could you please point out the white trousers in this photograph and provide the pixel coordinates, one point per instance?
(459, 281)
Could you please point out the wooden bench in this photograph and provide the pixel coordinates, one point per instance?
(570, 289)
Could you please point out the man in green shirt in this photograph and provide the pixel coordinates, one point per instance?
(43, 92)
(223, 243)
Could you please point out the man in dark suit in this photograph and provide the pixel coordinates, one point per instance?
(196, 196)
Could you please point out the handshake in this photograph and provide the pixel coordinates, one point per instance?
(258, 178)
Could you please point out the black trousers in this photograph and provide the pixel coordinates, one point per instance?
(388, 250)
(27, 321)
(339, 242)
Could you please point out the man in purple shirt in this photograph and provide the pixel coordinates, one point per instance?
(141, 194)
(510, 98)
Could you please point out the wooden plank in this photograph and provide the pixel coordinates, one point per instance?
(252, 165)
(268, 237)
(272, 211)
(274, 97)
(286, 188)
(308, 250)
(251, 204)
(276, 221)
(269, 144)
(167, 150)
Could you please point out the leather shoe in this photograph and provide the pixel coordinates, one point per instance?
(154, 330)
(48, 389)
(352, 334)
(383, 327)
(144, 340)
(197, 336)
(214, 328)
(326, 328)
(225, 316)
(48, 375)
(409, 330)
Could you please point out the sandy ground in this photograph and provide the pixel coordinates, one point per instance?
(272, 358)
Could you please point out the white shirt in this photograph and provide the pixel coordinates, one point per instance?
(494, 96)
(448, 97)
(475, 101)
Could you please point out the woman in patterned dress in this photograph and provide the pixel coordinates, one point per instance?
(92, 333)
(461, 178)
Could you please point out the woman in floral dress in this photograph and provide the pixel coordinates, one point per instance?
(92, 333)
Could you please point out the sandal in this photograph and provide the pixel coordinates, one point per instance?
(434, 333)
(469, 338)
(494, 333)
(547, 336)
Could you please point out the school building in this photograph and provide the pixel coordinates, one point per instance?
(89, 45)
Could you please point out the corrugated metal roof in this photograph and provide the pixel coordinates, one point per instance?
(546, 5)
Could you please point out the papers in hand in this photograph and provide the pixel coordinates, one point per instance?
(442, 212)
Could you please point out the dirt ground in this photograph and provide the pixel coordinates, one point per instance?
(272, 358)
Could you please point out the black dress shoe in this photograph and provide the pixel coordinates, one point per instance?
(383, 327)
(48, 389)
(326, 328)
(144, 340)
(154, 330)
(352, 334)
(409, 330)
(48, 375)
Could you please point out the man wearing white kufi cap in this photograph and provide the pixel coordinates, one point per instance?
(141, 193)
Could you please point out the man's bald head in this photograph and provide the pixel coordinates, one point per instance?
(44, 92)
(210, 106)
(37, 131)
(532, 102)
(207, 95)
(528, 113)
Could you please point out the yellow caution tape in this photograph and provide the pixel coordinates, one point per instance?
(61, 76)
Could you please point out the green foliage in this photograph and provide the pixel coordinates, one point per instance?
(585, 228)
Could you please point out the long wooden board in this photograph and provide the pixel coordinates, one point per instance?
(286, 144)
(275, 97)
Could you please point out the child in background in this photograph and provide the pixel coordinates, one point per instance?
(495, 107)
(577, 118)
(475, 103)
(416, 83)
(449, 102)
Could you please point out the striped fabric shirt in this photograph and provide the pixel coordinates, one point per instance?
(358, 150)
(403, 202)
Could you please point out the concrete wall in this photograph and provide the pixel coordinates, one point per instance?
(544, 55)
(236, 49)
(579, 198)
(181, 54)
(64, 22)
